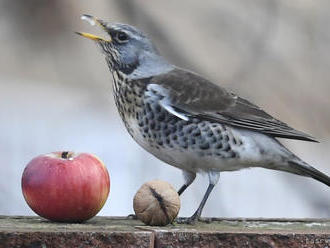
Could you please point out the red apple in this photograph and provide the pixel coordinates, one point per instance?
(66, 187)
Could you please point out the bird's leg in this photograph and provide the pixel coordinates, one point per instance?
(189, 177)
(213, 179)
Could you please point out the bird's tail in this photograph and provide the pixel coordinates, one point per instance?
(304, 169)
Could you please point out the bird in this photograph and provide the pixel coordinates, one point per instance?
(187, 121)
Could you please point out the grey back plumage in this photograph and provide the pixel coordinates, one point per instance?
(195, 96)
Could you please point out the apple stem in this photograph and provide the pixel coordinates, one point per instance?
(65, 155)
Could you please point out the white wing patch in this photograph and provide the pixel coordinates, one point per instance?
(170, 109)
(156, 89)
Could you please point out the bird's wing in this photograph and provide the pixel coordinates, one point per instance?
(188, 95)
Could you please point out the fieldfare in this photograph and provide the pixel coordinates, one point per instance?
(187, 121)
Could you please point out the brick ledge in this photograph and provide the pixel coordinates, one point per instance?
(35, 232)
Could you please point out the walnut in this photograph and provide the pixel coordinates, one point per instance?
(156, 203)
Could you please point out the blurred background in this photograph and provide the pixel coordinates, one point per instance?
(55, 93)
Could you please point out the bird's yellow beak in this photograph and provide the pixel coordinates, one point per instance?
(92, 20)
(93, 37)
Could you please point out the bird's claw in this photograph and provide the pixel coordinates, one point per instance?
(189, 221)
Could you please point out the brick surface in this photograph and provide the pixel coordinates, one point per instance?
(35, 232)
(75, 239)
(242, 240)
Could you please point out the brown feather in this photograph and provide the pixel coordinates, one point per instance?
(195, 96)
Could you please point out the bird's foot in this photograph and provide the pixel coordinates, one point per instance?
(182, 220)
(131, 217)
(192, 220)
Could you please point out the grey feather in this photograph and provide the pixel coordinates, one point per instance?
(193, 95)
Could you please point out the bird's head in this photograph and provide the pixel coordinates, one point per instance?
(126, 48)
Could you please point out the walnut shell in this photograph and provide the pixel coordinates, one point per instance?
(156, 203)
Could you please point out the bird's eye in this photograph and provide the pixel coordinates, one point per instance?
(121, 36)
